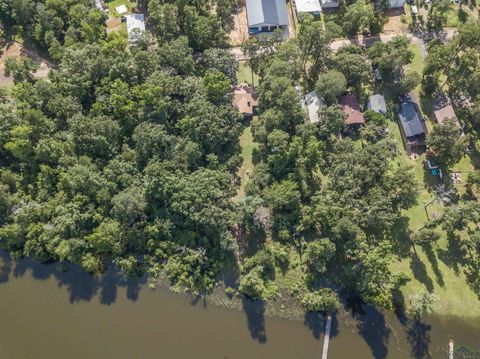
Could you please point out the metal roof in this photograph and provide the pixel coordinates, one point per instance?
(267, 12)
(377, 103)
(313, 104)
(135, 21)
(308, 5)
(410, 119)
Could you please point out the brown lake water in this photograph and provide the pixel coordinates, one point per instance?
(48, 314)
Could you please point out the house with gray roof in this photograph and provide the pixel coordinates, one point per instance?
(412, 127)
(377, 104)
(266, 16)
(135, 26)
(313, 103)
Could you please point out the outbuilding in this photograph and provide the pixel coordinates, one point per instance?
(313, 103)
(329, 4)
(265, 16)
(135, 26)
(311, 7)
(377, 104)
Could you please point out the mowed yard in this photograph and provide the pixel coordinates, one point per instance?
(433, 269)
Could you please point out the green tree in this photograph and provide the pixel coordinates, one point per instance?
(323, 300)
(446, 142)
(330, 85)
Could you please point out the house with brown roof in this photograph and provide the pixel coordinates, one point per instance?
(351, 107)
(245, 98)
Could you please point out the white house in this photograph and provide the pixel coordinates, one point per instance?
(266, 16)
(312, 7)
(135, 26)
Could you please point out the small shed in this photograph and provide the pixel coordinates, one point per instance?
(350, 106)
(313, 103)
(245, 98)
(395, 4)
(412, 127)
(135, 25)
(312, 7)
(377, 104)
(266, 15)
(330, 4)
(100, 4)
(446, 112)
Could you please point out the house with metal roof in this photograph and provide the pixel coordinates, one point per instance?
(329, 4)
(135, 26)
(412, 127)
(313, 103)
(312, 7)
(266, 16)
(377, 104)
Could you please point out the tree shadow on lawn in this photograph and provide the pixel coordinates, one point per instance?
(432, 258)
(255, 312)
(400, 237)
(419, 271)
(453, 255)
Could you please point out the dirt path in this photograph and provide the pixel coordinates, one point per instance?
(17, 50)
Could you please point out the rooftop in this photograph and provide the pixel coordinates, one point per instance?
(245, 99)
(350, 106)
(410, 119)
(313, 103)
(272, 12)
(308, 5)
(135, 22)
(377, 103)
(446, 112)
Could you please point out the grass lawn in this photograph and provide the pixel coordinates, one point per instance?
(115, 3)
(247, 144)
(429, 272)
(433, 269)
(244, 74)
(455, 16)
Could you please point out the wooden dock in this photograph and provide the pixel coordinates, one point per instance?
(326, 339)
(450, 349)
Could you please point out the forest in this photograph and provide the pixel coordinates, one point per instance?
(127, 155)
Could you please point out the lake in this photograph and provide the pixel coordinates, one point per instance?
(45, 313)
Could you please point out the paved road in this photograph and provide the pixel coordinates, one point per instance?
(420, 39)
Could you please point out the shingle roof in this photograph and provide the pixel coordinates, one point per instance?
(267, 11)
(410, 120)
(444, 113)
(377, 103)
(349, 105)
(245, 99)
(308, 5)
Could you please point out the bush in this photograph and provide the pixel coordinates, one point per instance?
(323, 300)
